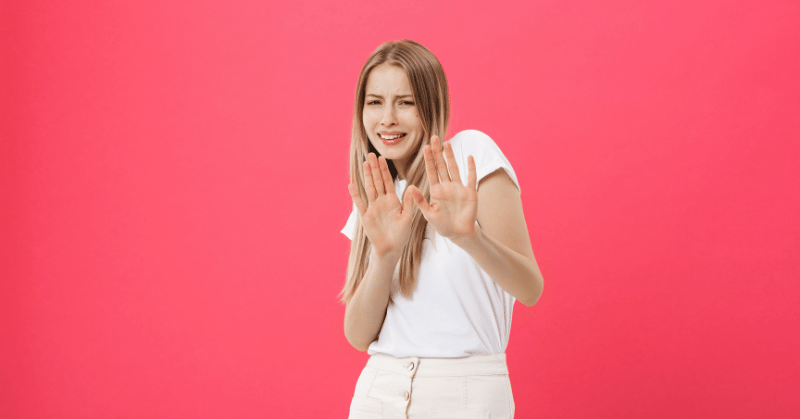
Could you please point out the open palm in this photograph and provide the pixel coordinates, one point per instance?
(453, 206)
(387, 222)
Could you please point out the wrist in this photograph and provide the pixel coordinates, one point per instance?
(387, 255)
(467, 241)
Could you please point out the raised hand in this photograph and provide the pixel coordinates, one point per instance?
(386, 222)
(453, 207)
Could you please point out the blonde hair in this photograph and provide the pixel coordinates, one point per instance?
(429, 87)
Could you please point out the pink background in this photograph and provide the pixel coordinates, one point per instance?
(173, 181)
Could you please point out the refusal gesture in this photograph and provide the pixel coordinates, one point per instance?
(386, 222)
(453, 207)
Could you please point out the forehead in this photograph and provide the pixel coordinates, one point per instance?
(387, 79)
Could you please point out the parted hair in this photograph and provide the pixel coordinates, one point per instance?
(429, 87)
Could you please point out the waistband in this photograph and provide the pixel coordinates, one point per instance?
(441, 367)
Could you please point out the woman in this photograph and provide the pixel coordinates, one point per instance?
(431, 280)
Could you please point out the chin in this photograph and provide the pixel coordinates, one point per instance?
(392, 154)
(398, 154)
(400, 151)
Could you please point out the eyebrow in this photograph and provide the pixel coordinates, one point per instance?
(381, 97)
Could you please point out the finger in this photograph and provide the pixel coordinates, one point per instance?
(430, 166)
(359, 203)
(388, 183)
(419, 199)
(441, 166)
(376, 174)
(408, 200)
(472, 176)
(369, 186)
(451, 162)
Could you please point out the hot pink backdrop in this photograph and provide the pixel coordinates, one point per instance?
(173, 181)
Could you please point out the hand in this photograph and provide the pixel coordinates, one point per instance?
(453, 207)
(386, 222)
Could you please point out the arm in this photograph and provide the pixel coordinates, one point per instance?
(365, 312)
(387, 224)
(501, 245)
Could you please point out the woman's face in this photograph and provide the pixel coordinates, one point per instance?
(390, 116)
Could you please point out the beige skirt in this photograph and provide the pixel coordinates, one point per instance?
(417, 388)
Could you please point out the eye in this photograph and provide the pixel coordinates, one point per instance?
(407, 102)
(374, 102)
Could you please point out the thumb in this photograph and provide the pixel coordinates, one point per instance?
(357, 201)
(419, 199)
(407, 200)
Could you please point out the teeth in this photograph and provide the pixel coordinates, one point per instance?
(390, 137)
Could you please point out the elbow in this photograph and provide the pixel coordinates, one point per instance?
(535, 293)
(359, 347)
(360, 344)
(529, 302)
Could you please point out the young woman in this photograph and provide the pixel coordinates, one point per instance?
(431, 279)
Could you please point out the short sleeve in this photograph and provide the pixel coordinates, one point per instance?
(486, 153)
(349, 229)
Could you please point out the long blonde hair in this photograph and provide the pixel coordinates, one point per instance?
(429, 87)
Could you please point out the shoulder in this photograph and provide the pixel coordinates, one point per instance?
(488, 156)
(472, 140)
(349, 229)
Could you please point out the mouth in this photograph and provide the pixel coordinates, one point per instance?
(391, 139)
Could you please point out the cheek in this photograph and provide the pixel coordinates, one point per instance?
(412, 120)
(417, 120)
(370, 118)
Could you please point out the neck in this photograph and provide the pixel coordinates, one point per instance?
(401, 170)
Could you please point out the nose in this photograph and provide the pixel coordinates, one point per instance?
(389, 119)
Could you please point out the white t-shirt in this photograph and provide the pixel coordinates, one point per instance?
(456, 309)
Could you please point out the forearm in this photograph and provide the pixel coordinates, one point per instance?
(516, 274)
(365, 312)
